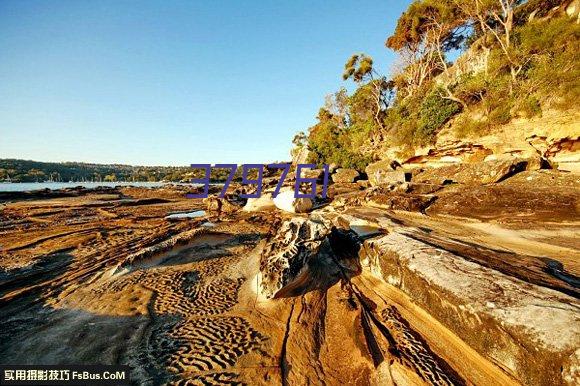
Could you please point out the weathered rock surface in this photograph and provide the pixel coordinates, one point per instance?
(337, 189)
(398, 201)
(479, 288)
(313, 173)
(470, 174)
(306, 254)
(380, 172)
(531, 331)
(219, 205)
(345, 175)
(454, 152)
(526, 197)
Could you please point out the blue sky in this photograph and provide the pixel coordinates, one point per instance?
(175, 82)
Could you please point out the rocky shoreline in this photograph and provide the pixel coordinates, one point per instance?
(463, 274)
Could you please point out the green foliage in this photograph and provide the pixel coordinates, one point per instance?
(329, 144)
(414, 27)
(358, 67)
(553, 50)
(361, 104)
(472, 88)
(538, 69)
(500, 115)
(467, 126)
(530, 106)
(434, 112)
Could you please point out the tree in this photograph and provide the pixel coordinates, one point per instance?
(495, 17)
(299, 139)
(424, 34)
(337, 105)
(360, 69)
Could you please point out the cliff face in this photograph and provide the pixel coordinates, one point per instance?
(555, 136)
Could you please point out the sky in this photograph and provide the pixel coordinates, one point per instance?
(176, 82)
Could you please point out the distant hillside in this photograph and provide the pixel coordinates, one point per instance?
(17, 170)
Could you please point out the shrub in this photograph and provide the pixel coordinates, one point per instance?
(530, 106)
(472, 88)
(434, 112)
(500, 115)
(467, 126)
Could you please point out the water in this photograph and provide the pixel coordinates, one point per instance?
(194, 214)
(29, 186)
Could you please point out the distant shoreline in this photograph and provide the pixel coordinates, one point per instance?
(35, 186)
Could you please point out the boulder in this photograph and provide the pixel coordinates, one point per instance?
(386, 177)
(287, 202)
(345, 175)
(538, 163)
(364, 183)
(377, 170)
(313, 173)
(502, 170)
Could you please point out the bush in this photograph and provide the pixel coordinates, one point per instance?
(467, 126)
(530, 106)
(330, 144)
(554, 49)
(472, 88)
(434, 112)
(500, 115)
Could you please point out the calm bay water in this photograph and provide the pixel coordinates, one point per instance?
(29, 186)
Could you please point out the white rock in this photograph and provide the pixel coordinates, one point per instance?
(264, 202)
(285, 201)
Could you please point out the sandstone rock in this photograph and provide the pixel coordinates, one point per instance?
(376, 170)
(565, 152)
(398, 201)
(313, 173)
(220, 205)
(538, 163)
(389, 177)
(419, 188)
(456, 152)
(345, 175)
(533, 332)
(472, 174)
(285, 201)
(502, 170)
(343, 188)
(404, 187)
(364, 183)
(300, 257)
(264, 202)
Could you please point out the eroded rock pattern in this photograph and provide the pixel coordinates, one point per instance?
(410, 284)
